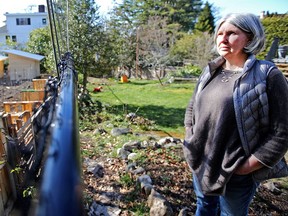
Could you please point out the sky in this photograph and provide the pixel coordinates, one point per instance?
(250, 6)
(223, 6)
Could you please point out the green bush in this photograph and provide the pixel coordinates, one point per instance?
(275, 26)
(188, 71)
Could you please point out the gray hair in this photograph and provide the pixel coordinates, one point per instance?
(251, 25)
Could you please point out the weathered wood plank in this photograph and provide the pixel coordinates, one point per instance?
(39, 84)
(37, 95)
(20, 106)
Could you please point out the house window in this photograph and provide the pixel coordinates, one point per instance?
(44, 21)
(23, 21)
(14, 39)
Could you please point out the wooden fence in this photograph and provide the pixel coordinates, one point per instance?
(16, 134)
(39, 84)
(7, 189)
(35, 95)
(20, 106)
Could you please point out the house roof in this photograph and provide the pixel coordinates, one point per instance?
(24, 54)
(3, 29)
(2, 58)
(26, 14)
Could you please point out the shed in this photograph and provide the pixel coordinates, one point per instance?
(2, 59)
(23, 65)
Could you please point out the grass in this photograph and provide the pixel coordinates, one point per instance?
(165, 105)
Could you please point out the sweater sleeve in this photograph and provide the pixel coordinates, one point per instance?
(275, 144)
(188, 118)
(188, 113)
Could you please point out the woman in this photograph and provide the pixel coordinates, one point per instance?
(236, 121)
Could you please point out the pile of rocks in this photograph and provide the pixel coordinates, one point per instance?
(155, 201)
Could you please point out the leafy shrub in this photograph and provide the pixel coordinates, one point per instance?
(274, 26)
(188, 71)
(86, 105)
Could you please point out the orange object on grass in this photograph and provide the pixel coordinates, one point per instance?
(97, 89)
(124, 78)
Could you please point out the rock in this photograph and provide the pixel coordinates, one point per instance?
(122, 153)
(99, 131)
(146, 189)
(170, 145)
(89, 163)
(131, 167)
(97, 209)
(178, 141)
(159, 205)
(145, 179)
(271, 187)
(130, 116)
(120, 131)
(104, 199)
(94, 167)
(145, 184)
(150, 143)
(109, 198)
(129, 146)
(132, 156)
(98, 171)
(139, 170)
(165, 140)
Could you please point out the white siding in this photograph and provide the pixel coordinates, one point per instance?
(22, 31)
(21, 68)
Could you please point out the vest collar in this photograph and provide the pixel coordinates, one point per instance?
(216, 63)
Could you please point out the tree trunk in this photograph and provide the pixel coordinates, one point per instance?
(158, 77)
(85, 78)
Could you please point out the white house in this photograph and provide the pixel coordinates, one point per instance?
(19, 25)
(23, 65)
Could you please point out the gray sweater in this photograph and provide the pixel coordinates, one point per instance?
(214, 145)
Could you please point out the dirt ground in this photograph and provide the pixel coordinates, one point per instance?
(170, 178)
(10, 92)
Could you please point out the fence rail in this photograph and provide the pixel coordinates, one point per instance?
(61, 192)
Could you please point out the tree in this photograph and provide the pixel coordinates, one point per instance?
(156, 38)
(196, 48)
(205, 21)
(183, 12)
(40, 43)
(130, 16)
(122, 33)
(203, 50)
(85, 36)
(9, 44)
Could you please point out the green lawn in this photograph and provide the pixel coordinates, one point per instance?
(163, 104)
